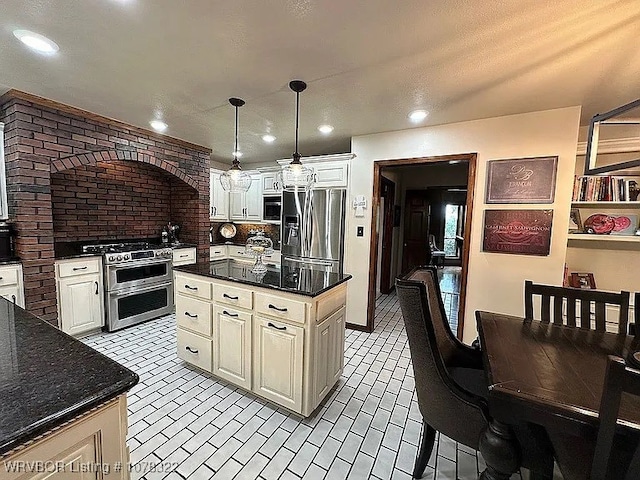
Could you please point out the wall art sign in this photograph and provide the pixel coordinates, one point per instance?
(520, 232)
(522, 180)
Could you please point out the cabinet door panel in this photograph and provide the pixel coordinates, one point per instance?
(11, 293)
(337, 347)
(219, 199)
(236, 206)
(332, 174)
(195, 349)
(278, 362)
(232, 346)
(253, 200)
(81, 303)
(73, 462)
(324, 359)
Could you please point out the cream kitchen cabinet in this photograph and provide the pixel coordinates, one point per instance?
(278, 357)
(96, 438)
(218, 252)
(330, 171)
(218, 198)
(80, 295)
(282, 346)
(271, 183)
(247, 207)
(184, 256)
(11, 284)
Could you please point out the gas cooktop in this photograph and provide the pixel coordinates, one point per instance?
(119, 247)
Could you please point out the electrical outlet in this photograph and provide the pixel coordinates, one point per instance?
(360, 232)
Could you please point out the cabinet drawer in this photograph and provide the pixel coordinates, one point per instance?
(273, 258)
(219, 251)
(192, 286)
(193, 314)
(70, 268)
(9, 275)
(239, 252)
(280, 307)
(184, 256)
(195, 349)
(239, 297)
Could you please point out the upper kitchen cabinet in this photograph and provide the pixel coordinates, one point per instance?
(330, 171)
(271, 184)
(218, 198)
(4, 212)
(245, 207)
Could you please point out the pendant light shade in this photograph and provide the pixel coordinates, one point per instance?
(235, 180)
(297, 176)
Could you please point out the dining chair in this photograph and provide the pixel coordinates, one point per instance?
(576, 297)
(436, 255)
(450, 382)
(608, 456)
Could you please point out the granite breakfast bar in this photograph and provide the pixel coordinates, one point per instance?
(279, 335)
(61, 402)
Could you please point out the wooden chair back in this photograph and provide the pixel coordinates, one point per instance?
(619, 378)
(575, 297)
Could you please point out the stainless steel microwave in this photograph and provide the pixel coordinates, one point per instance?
(272, 206)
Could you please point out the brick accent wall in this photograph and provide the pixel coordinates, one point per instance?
(118, 199)
(45, 141)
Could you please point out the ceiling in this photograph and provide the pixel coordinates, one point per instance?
(368, 63)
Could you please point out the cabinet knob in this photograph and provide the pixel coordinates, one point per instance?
(97, 286)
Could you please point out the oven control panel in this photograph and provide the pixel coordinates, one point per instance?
(111, 258)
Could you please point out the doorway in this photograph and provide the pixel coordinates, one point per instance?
(435, 207)
(387, 223)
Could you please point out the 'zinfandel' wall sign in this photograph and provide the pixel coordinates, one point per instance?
(522, 180)
(521, 232)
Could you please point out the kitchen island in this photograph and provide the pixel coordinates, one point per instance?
(279, 335)
(60, 401)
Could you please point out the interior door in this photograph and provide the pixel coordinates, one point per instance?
(415, 250)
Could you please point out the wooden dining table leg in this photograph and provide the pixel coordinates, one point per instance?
(500, 450)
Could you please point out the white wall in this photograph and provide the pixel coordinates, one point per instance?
(495, 281)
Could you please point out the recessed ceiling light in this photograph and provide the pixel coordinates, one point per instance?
(418, 115)
(36, 42)
(158, 125)
(237, 153)
(326, 129)
(269, 138)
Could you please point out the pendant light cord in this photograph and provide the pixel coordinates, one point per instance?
(235, 150)
(296, 155)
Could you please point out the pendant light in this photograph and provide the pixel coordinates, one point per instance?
(296, 176)
(235, 180)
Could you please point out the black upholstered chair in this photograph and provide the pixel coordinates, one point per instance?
(446, 407)
(449, 377)
(436, 256)
(608, 456)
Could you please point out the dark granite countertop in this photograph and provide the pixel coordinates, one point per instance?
(10, 261)
(48, 377)
(286, 278)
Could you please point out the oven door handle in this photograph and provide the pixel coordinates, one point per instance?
(142, 289)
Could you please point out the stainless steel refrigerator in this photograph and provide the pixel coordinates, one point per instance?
(313, 228)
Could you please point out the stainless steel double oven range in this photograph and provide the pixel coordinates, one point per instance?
(138, 279)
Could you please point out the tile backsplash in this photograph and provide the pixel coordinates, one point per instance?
(242, 232)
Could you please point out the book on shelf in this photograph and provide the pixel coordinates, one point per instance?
(603, 188)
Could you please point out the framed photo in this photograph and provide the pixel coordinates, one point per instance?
(519, 232)
(582, 280)
(575, 222)
(521, 180)
(625, 224)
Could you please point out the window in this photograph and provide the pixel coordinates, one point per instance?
(453, 227)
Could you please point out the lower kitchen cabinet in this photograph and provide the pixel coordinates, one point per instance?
(184, 256)
(232, 345)
(11, 284)
(95, 440)
(284, 347)
(80, 295)
(278, 356)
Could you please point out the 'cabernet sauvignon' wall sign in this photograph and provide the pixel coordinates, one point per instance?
(522, 180)
(520, 232)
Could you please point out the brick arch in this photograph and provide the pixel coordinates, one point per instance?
(92, 158)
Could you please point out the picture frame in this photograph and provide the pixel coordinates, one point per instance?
(575, 221)
(582, 280)
(521, 180)
(517, 232)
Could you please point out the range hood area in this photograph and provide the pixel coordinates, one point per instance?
(77, 176)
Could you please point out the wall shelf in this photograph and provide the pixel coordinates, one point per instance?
(605, 204)
(604, 238)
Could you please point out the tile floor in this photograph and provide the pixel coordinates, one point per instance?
(369, 427)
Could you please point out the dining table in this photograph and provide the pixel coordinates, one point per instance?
(548, 375)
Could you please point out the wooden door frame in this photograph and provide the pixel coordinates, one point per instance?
(387, 236)
(373, 248)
